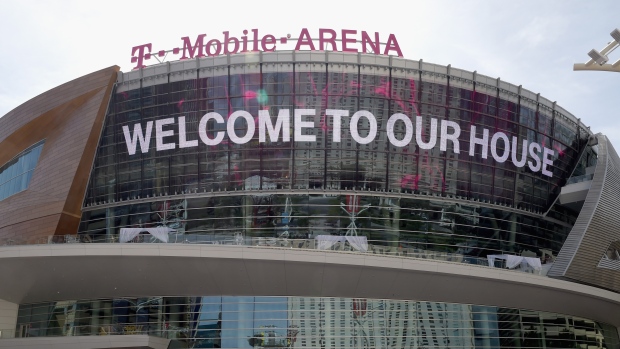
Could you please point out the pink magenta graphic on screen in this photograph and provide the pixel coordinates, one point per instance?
(345, 40)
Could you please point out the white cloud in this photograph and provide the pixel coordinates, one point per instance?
(541, 30)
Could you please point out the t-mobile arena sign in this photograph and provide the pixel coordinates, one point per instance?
(502, 148)
(345, 40)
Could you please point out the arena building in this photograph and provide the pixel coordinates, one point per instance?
(305, 199)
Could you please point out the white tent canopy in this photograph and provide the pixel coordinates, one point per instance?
(513, 261)
(160, 233)
(325, 242)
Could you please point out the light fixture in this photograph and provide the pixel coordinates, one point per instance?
(616, 35)
(599, 58)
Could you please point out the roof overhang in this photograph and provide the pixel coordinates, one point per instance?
(41, 273)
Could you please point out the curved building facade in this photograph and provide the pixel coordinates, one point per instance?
(306, 199)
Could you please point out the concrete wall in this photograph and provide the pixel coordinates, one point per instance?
(87, 342)
(8, 318)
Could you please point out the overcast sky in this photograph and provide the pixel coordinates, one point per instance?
(533, 43)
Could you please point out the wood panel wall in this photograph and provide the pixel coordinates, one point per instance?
(70, 118)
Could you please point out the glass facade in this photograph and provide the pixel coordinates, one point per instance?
(410, 200)
(325, 163)
(16, 174)
(405, 225)
(156, 178)
(314, 322)
(425, 199)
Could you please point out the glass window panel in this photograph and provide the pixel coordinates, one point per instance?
(336, 166)
(311, 322)
(15, 175)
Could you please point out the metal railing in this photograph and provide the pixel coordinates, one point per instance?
(400, 249)
(579, 179)
(89, 330)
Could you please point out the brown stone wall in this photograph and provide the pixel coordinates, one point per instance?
(69, 118)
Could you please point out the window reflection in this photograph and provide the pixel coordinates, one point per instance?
(16, 174)
(403, 226)
(313, 322)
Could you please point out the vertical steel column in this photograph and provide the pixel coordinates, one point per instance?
(494, 186)
(325, 151)
(471, 164)
(447, 117)
(516, 182)
(387, 142)
(292, 145)
(357, 145)
(199, 153)
(112, 118)
(228, 102)
(141, 116)
(260, 145)
(417, 148)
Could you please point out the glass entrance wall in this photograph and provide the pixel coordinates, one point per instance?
(314, 322)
